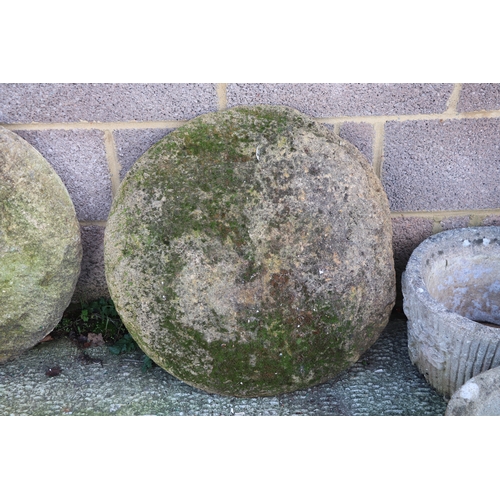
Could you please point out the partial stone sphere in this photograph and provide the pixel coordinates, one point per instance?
(249, 252)
(40, 248)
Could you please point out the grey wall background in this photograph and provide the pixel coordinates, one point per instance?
(436, 147)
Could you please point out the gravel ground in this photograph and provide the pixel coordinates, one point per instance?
(382, 382)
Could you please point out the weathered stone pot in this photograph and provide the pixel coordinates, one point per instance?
(249, 252)
(451, 289)
(40, 247)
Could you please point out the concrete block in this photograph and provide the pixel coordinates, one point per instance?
(407, 234)
(345, 99)
(104, 102)
(455, 222)
(329, 126)
(492, 220)
(479, 97)
(131, 144)
(79, 158)
(442, 164)
(92, 282)
(361, 135)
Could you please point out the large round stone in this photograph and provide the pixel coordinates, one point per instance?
(40, 248)
(249, 252)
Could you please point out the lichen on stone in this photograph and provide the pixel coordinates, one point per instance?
(40, 247)
(249, 252)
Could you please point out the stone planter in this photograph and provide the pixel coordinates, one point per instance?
(479, 396)
(451, 290)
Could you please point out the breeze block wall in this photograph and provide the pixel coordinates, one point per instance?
(436, 147)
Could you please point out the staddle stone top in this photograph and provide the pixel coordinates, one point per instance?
(40, 247)
(249, 252)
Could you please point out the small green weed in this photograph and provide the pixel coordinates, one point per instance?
(128, 344)
(147, 363)
(85, 315)
(125, 344)
(104, 318)
(99, 317)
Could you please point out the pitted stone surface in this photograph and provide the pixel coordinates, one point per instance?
(249, 252)
(40, 248)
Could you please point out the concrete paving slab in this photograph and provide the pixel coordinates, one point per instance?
(382, 382)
